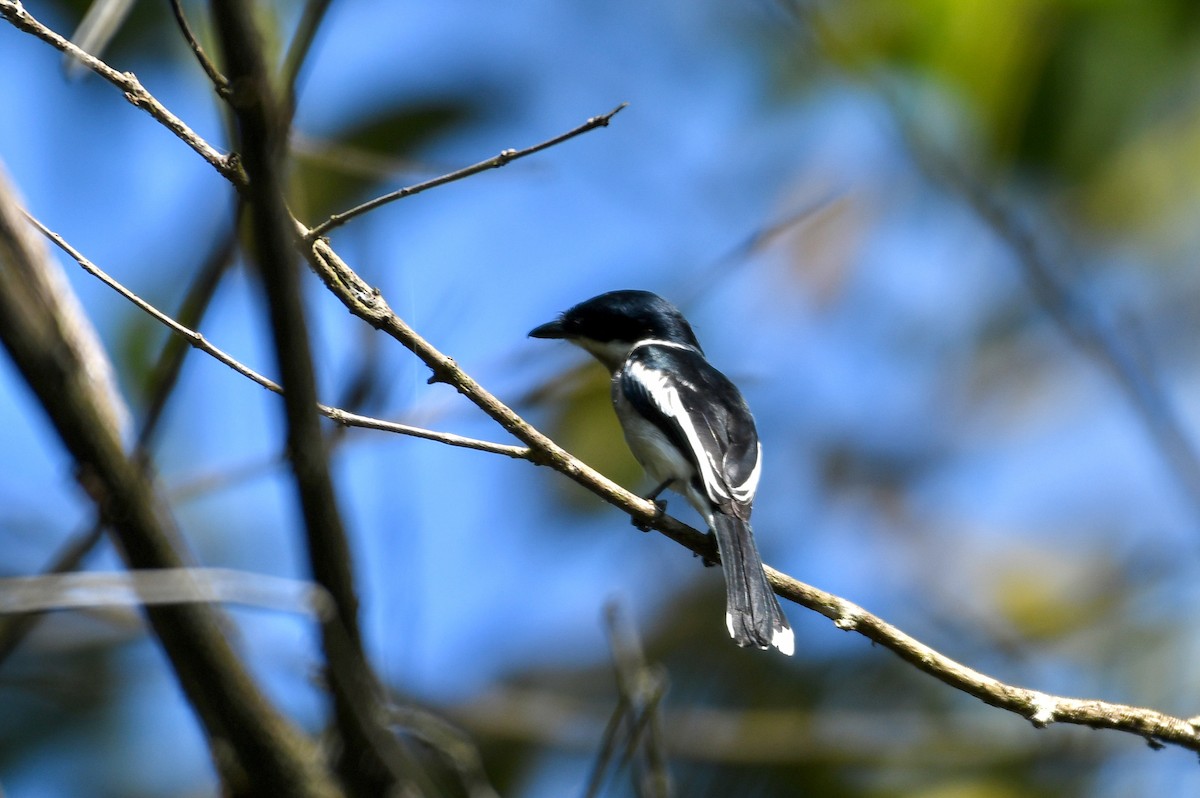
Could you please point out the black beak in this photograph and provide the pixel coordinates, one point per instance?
(553, 329)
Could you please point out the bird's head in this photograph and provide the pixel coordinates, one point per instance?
(609, 325)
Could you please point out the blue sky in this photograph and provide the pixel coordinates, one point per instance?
(868, 328)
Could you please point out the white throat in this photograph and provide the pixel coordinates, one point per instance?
(613, 353)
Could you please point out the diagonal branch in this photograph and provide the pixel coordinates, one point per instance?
(1087, 328)
(371, 761)
(199, 341)
(1039, 708)
(641, 687)
(162, 384)
(255, 749)
(15, 628)
(168, 366)
(128, 83)
(503, 159)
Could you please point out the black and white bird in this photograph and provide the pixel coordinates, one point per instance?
(691, 430)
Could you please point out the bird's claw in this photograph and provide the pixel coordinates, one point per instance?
(646, 526)
(705, 561)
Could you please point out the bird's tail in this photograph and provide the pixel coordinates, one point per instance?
(752, 613)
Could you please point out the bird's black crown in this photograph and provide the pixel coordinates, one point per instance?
(621, 317)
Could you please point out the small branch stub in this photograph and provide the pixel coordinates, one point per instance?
(1044, 709)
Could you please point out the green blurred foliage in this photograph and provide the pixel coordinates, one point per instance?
(1095, 96)
(360, 160)
(581, 418)
(1091, 98)
(137, 352)
(1048, 596)
(1093, 103)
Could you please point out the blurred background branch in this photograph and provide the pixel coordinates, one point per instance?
(219, 81)
(1038, 707)
(634, 732)
(370, 761)
(1088, 326)
(936, 446)
(254, 748)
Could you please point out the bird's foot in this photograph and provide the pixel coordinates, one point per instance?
(705, 561)
(661, 504)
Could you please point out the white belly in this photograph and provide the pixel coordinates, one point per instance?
(658, 456)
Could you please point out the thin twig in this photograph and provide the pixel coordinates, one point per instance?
(220, 82)
(608, 747)
(452, 742)
(169, 364)
(200, 342)
(163, 380)
(651, 779)
(503, 159)
(366, 422)
(369, 305)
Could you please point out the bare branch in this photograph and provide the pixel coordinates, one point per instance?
(256, 750)
(503, 159)
(367, 303)
(163, 380)
(39, 284)
(642, 688)
(366, 422)
(608, 746)
(127, 82)
(371, 761)
(200, 342)
(169, 364)
(15, 629)
(1039, 708)
(453, 743)
(262, 134)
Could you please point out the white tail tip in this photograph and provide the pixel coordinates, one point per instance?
(784, 640)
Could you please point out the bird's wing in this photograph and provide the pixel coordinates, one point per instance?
(703, 414)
